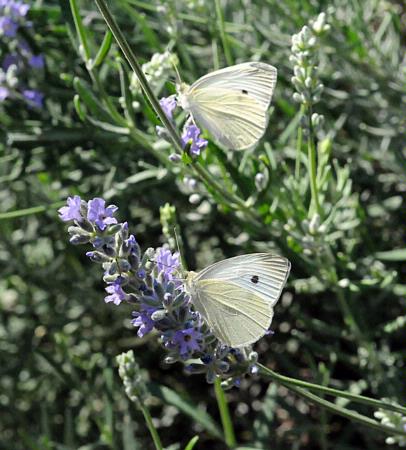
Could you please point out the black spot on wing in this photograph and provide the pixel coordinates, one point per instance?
(244, 91)
(255, 279)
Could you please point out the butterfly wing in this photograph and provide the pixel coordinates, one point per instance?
(256, 78)
(236, 316)
(232, 103)
(236, 296)
(235, 120)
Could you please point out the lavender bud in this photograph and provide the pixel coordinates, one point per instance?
(314, 224)
(124, 266)
(194, 199)
(79, 239)
(168, 298)
(260, 181)
(210, 376)
(170, 360)
(196, 368)
(158, 315)
(174, 157)
(98, 257)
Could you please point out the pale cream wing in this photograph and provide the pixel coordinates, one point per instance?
(264, 274)
(236, 316)
(236, 120)
(257, 79)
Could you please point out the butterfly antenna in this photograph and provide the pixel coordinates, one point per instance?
(182, 259)
(178, 78)
(177, 240)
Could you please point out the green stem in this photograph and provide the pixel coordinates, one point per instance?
(287, 381)
(351, 415)
(151, 427)
(28, 211)
(311, 154)
(223, 35)
(299, 145)
(224, 414)
(132, 60)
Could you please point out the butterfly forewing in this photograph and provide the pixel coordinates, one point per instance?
(254, 79)
(263, 273)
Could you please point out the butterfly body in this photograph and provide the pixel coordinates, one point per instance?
(236, 296)
(231, 103)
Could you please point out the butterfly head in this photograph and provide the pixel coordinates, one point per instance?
(189, 281)
(183, 89)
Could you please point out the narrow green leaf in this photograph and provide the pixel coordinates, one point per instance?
(90, 100)
(397, 254)
(29, 211)
(106, 126)
(81, 31)
(125, 91)
(187, 407)
(78, 107)
(192, 443)
(103, 50)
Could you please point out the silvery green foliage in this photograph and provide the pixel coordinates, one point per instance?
(395, 420)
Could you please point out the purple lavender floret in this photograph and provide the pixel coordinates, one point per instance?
(187, 341)
(167, 262)
(117, 295)
(191, 136)
(8, 27)
(99, 214)
(72, 210)
(168, 104)
(12, 59)
(36, 61)
(34, 97)
(143, 321)
(4, 93)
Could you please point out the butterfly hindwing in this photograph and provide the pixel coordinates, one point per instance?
(234, 119)
(237, 317)
(236, 296)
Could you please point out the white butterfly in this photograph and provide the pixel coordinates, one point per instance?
(231, 103)
(236, 296)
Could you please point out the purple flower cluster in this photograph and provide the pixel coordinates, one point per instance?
(191, 138)
(11, 14)
(149, 282)
(21, 60)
